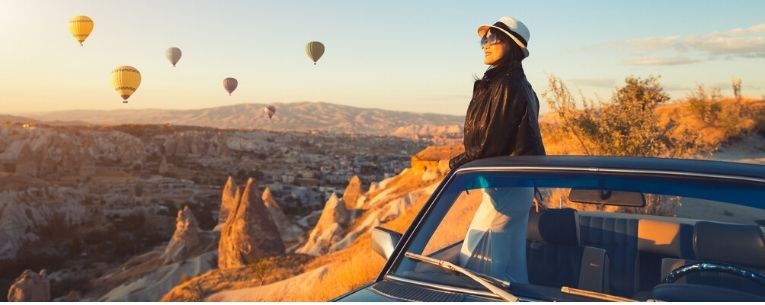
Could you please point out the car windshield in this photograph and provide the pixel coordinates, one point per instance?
(612, 233)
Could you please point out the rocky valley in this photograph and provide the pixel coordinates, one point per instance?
(80, 200)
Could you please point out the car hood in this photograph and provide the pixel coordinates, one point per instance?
(366, 294)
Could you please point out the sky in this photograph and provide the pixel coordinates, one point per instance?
(417, 56)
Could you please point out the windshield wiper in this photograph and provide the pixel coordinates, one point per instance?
(595, 295)
(482, 279)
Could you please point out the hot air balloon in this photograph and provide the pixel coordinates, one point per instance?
(270, 110)
(80, 26)
(315, 50)
(173, 55)
(125, 80)
(230, 84)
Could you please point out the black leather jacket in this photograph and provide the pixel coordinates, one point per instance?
(502, 118)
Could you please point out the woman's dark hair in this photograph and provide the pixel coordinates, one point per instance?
(513, 54)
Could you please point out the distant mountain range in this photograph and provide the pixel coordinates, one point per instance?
(14, 119)
(301, 116)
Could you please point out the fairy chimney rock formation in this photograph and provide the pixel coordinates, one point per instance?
(277, 215)
(328, 229)
(227, 201)
(185, 238)
(249, 233)
(352, 193)
(30, 287)
(288, 230)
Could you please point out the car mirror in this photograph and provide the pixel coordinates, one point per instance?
(607, 197)
(384, 241)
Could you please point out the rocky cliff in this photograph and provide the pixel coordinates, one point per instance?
(341, 249)
(24, 211)
(334, 218)
(30, 287)
(352, 193)
(228, 200)
(48, 152)
(290, 233)
(249, 233)
(185, 238)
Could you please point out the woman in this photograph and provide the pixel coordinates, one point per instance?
(502, 118)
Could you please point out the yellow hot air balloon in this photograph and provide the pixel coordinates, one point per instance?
(80, 26)
(125, 80)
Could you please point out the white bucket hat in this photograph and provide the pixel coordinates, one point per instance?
(513, 28)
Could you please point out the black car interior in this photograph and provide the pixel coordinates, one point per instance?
(556, 257)
(638, 252)
(640, 256)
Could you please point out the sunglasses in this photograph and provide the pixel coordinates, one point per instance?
(491, 39)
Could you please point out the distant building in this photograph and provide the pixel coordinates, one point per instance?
(288, 179)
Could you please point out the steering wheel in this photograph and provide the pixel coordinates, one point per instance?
(679, 272)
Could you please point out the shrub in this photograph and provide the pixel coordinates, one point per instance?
(703, 105)
(625, 125)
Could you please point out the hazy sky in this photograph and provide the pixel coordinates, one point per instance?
(405, 55)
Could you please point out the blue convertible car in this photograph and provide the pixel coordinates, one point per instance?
(581, 229)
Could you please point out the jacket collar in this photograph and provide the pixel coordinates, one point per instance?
(513, 68)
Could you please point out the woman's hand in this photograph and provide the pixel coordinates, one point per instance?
(455, 162)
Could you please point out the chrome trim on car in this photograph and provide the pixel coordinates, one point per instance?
(607, 170)
(451, 288)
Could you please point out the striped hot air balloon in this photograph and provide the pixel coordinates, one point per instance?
(315, 50)
(230, 83)
(126, 80)
(80, 27)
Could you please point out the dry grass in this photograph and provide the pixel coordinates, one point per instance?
(262, 272)
(349, 269)
(710, 136)
(736, 118)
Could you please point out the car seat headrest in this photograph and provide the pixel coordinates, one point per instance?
(729, 243)
(555, 226)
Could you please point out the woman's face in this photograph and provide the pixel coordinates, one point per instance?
(493, 49)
